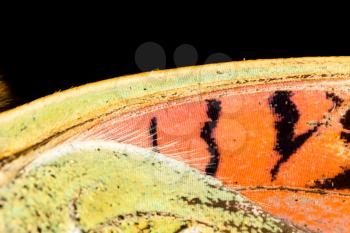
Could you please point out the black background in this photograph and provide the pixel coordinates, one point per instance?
(38, 60)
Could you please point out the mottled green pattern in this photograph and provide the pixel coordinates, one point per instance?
(102, 186)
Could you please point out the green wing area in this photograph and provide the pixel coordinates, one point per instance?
(109, 187)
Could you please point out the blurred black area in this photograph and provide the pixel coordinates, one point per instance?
(37, 61)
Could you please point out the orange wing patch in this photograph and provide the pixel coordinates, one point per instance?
(317, 211)
(289, 135)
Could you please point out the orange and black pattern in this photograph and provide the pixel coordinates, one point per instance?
(285, 146)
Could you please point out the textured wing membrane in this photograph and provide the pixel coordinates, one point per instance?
(94, 186)
(274, 130)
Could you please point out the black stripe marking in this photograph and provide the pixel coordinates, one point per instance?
(213, 112)
(153, 134)
(287, 116)
(337, 101)
(345, 121)
(340, 181)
